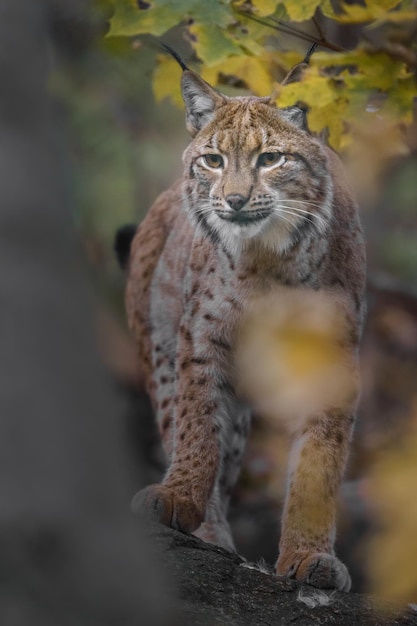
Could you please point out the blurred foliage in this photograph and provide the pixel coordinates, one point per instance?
(292, 358)
(392, 554)
(116, 137)
(109, 99)
(232, 38)
(396, 249)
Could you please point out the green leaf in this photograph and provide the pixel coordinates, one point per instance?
(212, 44)
(249, 34)
(162, 15)
(209, 12)
(129, 20)
(369, 70)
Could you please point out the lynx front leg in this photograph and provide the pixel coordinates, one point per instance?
(181, 500)
(316, 468)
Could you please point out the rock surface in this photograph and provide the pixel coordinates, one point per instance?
(218, 587)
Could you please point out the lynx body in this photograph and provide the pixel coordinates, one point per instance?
(262, 206)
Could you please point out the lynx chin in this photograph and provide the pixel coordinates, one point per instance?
(263, 210)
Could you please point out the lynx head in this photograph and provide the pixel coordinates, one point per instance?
(253, 173)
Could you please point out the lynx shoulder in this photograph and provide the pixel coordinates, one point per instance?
(263, 209)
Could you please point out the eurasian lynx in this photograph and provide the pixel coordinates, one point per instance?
(262, 207)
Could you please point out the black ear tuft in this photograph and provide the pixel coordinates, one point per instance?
(122, 243)
(175, 55)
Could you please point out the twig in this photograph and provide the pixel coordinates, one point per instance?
(319, 28)
(290, 30)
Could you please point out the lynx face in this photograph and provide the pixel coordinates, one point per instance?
(254, 173)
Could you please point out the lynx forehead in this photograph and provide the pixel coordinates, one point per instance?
(263, 209)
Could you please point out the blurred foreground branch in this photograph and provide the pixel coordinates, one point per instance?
(70, 551)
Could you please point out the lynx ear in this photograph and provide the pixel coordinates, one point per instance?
(295, 115)
(200, 101)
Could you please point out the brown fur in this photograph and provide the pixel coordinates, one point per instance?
(192, 274)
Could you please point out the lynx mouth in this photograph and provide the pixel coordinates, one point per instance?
(243, 217)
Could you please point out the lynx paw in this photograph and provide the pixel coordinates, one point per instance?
(319, 569)
(163, 504)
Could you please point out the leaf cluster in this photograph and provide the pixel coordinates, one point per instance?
(235, 41)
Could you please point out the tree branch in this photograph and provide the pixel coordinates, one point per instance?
(290, 30)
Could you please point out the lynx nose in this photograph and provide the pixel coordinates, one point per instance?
(236, 201)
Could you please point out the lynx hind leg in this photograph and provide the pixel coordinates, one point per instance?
(215, 528)
(234, 432)
(317, 463)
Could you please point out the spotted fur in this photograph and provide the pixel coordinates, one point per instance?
(240, 224)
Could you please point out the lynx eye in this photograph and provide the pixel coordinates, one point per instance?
(267, 159)
(213, 160)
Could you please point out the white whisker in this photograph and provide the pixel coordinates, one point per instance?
(323, 223)
(288, 220)
(308, 202)
(324, 219)
(298, 209)
(284, 209)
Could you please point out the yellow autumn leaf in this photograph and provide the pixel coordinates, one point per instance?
(331, 116)
(264, 7)
(357, 14)
(367, 70)
(326, 8)
(379, 67)
(289, 58)
(313, 90)
(251, 70)
(167, 80)
(301, 10)
(211, 74)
